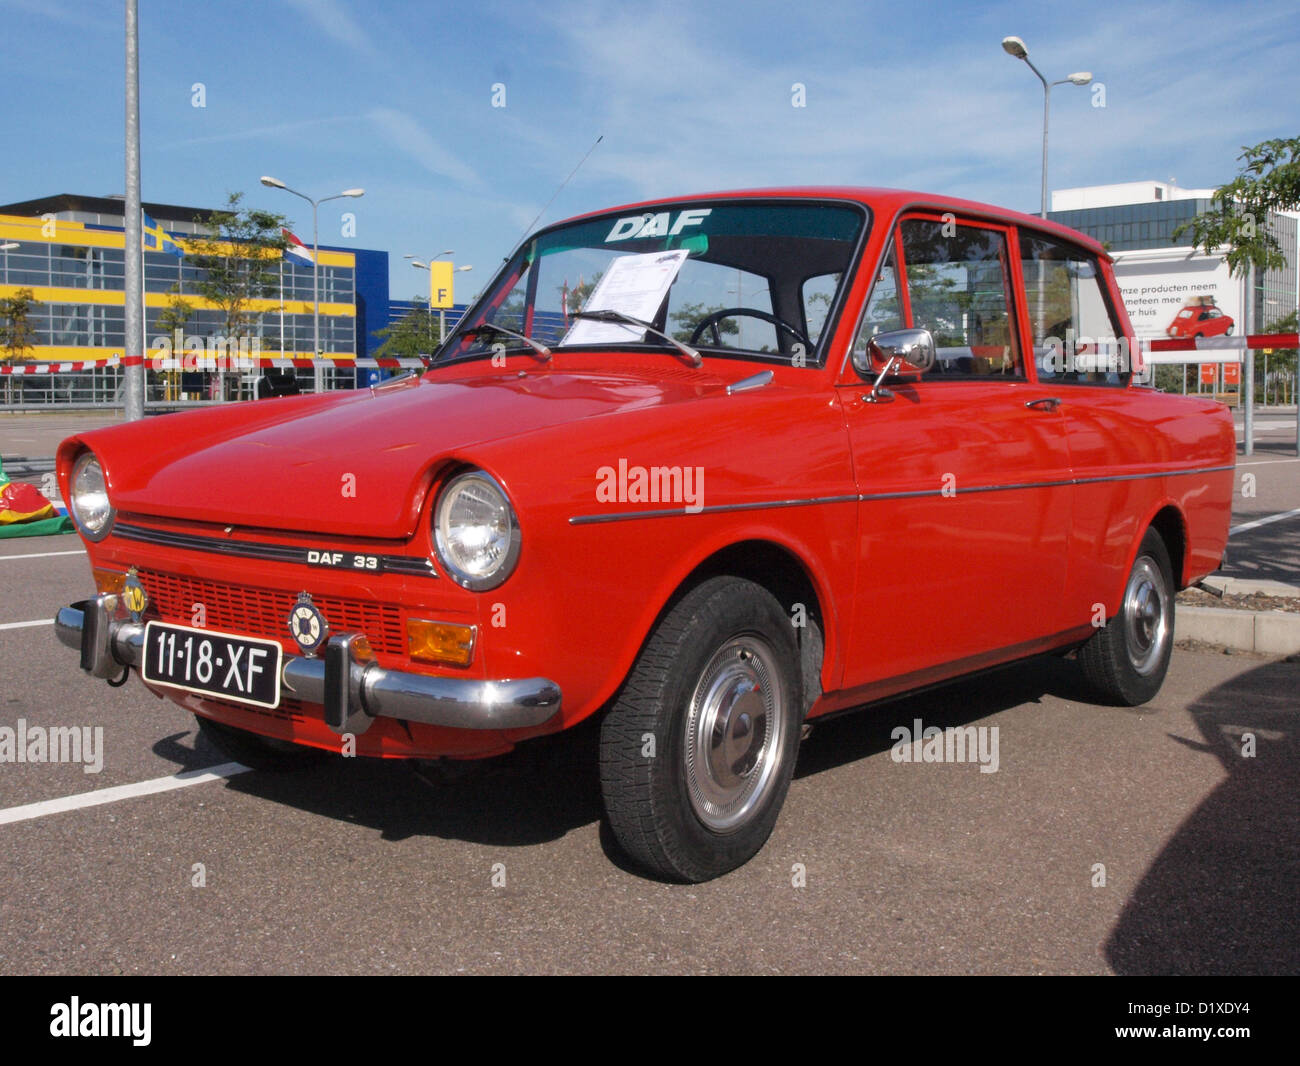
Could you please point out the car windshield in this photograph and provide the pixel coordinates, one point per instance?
(685, 270)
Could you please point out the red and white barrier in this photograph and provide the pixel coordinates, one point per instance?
(201, 363)
(1215, 349)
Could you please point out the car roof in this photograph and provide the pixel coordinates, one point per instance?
(886, 203)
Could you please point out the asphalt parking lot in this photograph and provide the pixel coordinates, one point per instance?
(1157, 840)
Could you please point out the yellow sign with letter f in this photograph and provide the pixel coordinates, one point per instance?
(440, 279)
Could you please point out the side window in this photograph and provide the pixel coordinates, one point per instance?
(884, 312)
(1076, 340)
(818, 292)
(959, 288)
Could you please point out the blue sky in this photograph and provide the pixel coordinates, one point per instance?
(397, 97)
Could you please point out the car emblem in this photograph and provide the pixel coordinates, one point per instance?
(308, 625)
(134, 597)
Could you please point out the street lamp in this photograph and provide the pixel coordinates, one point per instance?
(8, 247)
(275, 183)
(1015, 47)
(419, 264)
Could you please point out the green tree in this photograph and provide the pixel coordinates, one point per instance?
(175, 315)
(1269, 180)
(1237, 221)
(1282, 361)
(238, 256)
(415, 334)
(17, 333)
(687, 317)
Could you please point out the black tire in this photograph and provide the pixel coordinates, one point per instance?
(261, 753)
(697, 751)
(1127, 659)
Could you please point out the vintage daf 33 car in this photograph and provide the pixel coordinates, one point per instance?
(709, 468)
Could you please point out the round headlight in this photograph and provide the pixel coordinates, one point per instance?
(89, 502)
(475, 531)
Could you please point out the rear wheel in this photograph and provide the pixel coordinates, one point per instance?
(699, 747)
(261, 753)
(1127, 659)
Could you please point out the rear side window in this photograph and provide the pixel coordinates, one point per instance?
(1075, 335)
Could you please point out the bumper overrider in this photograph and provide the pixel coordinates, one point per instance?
(353, 689)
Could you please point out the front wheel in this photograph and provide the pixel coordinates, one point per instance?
(698, 750)
(1127, 659)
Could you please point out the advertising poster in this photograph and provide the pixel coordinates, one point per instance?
(1173, 293)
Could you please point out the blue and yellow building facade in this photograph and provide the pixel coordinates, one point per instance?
(68, 251)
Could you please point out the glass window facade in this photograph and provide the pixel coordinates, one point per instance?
(51, 264)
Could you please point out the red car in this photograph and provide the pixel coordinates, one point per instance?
(709, 468)
(1200, 318)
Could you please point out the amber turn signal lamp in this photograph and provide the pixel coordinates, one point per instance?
(439, 642)
(108, 581)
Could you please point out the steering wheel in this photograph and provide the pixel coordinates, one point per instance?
(711, 322)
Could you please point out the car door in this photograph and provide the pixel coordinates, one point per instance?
(963, 477)
(1130, 448)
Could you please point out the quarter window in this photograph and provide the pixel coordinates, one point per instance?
(1076, 339)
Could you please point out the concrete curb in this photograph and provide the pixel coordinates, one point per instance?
(1267, 632)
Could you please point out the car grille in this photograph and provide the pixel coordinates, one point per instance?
(265, 612)
(290, 710)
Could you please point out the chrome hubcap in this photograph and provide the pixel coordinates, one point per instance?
(1146, 615)
(734, 732)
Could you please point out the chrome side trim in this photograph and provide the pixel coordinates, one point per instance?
(593, 519)
(353, 688)
(410, 565)
(625, 516)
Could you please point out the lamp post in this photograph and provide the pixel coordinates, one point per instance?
(8, 247)
(1015, 47)
(275, 183)
(442, 311)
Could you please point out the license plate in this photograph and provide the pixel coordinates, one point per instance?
(212, 664)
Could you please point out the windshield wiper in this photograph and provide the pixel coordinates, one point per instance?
(628, 320)
(491, 327)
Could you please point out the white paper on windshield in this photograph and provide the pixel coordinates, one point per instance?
(633, 284)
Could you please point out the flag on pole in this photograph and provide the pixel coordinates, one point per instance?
(296, 252)
(157, 239)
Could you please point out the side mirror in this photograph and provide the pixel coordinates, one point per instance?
(902, 354)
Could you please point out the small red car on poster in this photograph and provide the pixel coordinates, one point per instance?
(708, 468)
(1200, 318)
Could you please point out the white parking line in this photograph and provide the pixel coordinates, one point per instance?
(27, 625)
(1263, 521)
(121, 792)
(41, 555)
(1270, 462)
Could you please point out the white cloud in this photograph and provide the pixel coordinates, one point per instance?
(333, 19)
(404, 132)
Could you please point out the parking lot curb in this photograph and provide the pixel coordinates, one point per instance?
(1267, 632)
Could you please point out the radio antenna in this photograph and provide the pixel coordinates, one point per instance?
(529, 228)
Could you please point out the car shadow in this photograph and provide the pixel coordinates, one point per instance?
(534, 794)
(1220, 898)
(851, 736)
(550, 786)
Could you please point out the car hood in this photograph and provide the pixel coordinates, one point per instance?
(355, 463)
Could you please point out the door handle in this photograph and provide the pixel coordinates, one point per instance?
(1048, 403)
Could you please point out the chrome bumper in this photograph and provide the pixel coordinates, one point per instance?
(353, 690)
